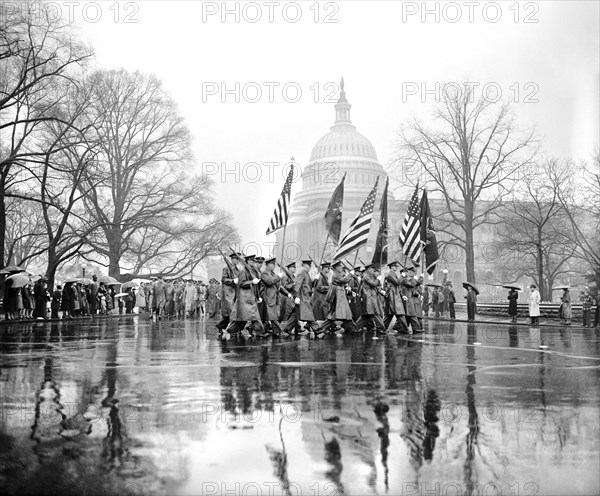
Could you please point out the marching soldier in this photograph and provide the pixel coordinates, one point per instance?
(354, 298)
(320, 289)
(394, 300)
(227, 292)
(245, 307)
(371, 317)
(339, 308)
(303, 310)
(418, 300)
(408, 288)
(270, 283)
(287, 289)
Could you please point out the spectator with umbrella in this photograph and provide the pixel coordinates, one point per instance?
(471, 297)
(513, 296)
(451, 300)
(534, 304)
(56, 301)
(41, 298)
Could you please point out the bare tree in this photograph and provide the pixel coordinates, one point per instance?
(470, 160)
(535, 223)
(36, 51)
(146, 198)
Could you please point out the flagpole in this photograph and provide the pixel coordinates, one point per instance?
(355, 259)
(324, 248)
(282, 246)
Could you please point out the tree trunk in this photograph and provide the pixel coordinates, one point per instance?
(540, 269)
(469, 248)
(2, 223)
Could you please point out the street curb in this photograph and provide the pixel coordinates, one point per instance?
(500, 322)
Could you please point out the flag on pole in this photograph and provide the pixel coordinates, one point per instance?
(280, 214)
(333, 215)
(358, 232)
(381, 253)
(410, 235)
(427, 235)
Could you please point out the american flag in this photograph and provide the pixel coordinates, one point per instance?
(410, 236)
(280, 214)
(358, 232)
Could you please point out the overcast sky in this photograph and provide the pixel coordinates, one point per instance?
(550, 67)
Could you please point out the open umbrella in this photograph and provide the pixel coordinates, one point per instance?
(18, 280)
(85, 281)
(116, 283)
(108, 280)
(471, 285)
(434, 284)
(557, 288)
(512, 286)
(141, 281)
(71, 280)
(128, 285)
(118, 295)
(12, 269)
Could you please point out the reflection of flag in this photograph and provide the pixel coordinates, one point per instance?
(410, 235)
(333, 216)
(358, 232)
(280, 215)
(381, 252)
(427, 235)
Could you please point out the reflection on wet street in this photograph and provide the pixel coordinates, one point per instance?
(134, 407)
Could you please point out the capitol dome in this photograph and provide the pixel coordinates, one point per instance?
(342, 152)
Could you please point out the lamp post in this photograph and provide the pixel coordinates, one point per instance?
(445, 271)
(83, 266)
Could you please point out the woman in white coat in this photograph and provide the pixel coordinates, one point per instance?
(534, 304)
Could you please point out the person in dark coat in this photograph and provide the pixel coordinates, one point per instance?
(245, 308)
(337, 299)
(354, 298)
(40, 296)
(513, 296)
(227, 293)
(66, 303)
(408, 288)
(435, 302)
(372, 313)
(55, 306)
(270, 295)
(451, 300)
(471, 297)
(92, 295)
(28, 301)
(394, 303)
(426, 301)
(319, 296)
(287, 289)
(303, 286)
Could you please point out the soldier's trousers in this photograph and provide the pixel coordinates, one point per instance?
(348, 326)
(222, 325)
(273, 327)
(291, 324)
(238, 325)
(414, 323)
(371, 322)
(400, 325)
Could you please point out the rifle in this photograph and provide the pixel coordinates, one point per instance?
(228, 263)
(290, 275)
(249, 270)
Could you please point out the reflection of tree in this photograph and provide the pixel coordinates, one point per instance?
(279, 460)
(431, 416)
(113, 443)
(513, 337)
(473, 419)
(383, 432)
(333, 456)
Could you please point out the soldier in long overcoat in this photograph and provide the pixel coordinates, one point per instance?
(245, 308)
(339, 307)
(303, 308)
(270, 295)
(159, 297)
(227, 291)
(371, 317)
(355, 297)
(287, 290)
(408, 288)
(320, 289)
(394, 303)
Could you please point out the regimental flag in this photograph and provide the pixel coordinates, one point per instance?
(280, 214)
(410, 236)
(380, 256)
(358, 232)
(333, 216)
(427, 235)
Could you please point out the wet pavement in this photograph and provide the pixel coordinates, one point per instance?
(128, 406)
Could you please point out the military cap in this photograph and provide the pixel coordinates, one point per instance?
(249, 257)
(411, 268)
(236, 255)
(291, 264)
(394, 263)
(359, 268)
(372, 265)
(270, 260)
(325, 265)
(309, 262)
(337, 264)
(259, 259)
